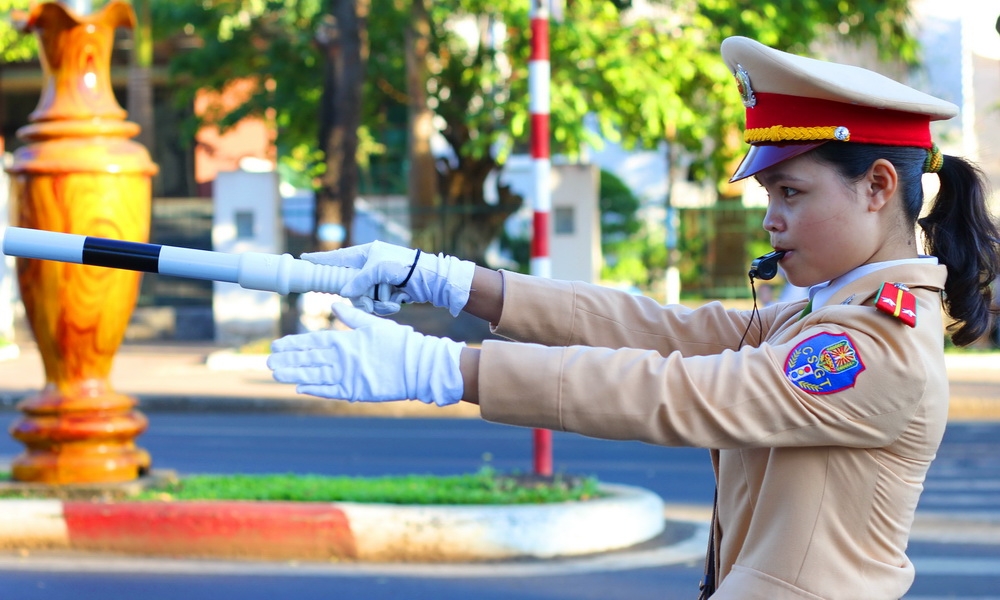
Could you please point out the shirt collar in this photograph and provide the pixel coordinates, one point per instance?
(821, 293)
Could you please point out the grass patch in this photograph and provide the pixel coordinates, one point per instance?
(981, 347)
(951, 348)
(483, 487)
(258, 346)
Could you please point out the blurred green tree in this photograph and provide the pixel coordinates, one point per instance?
(619, 225)
(14, 45)
(642, 78)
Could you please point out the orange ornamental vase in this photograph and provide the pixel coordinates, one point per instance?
(79, 172)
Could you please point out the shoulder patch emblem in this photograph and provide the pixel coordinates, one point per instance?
(897, 300)
(824, 364)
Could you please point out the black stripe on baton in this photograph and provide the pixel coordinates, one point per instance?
(102, 252)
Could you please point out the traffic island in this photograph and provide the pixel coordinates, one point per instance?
(623, 517)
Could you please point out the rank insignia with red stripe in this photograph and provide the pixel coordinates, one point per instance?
(896, 299)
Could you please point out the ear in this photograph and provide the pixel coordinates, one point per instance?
(880, 184)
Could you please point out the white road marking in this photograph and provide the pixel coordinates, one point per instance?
(946, 565)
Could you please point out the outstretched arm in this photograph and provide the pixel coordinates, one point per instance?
(469, 366)
(485, 302)
(486, 296)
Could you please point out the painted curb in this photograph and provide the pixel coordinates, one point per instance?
(972, 361)
(9, 352)
(267, 530)
(32, 524)
(230, 360)
(627, 517)
(336, 531)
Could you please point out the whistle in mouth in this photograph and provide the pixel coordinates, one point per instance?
(766, 267)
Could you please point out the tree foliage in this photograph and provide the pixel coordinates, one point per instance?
(269, 42)
(618, 206)
(642, 77)
(14, 45)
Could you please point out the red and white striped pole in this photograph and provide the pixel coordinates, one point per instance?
(538, 107)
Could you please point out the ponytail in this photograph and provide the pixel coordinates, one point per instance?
(961, 234)
(958, 230)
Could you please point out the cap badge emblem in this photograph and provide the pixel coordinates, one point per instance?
(743, 83)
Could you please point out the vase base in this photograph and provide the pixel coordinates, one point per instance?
(76, 438)
(70, 464)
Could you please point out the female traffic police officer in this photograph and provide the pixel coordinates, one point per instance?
(822, 421)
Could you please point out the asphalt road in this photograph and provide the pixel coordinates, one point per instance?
(951, 561)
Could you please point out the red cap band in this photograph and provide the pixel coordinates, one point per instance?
(866, 125)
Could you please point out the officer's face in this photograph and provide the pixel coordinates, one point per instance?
(824, 223)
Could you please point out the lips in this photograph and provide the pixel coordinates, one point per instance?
(785, 254)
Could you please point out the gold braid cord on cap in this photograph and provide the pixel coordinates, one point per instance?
(935, 159)
(780, 133)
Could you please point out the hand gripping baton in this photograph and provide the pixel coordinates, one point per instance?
(251, 270)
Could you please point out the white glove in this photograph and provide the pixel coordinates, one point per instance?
(442, 280)
(378, 360)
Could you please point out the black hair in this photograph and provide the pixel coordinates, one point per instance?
(958, 228)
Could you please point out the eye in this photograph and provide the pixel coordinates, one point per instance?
(788, 192)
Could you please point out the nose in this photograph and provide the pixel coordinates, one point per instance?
(772, 220)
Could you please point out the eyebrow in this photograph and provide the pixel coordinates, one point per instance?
(765, 179)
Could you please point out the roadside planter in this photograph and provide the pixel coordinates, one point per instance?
(624, 517)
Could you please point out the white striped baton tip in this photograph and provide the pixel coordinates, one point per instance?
(252, 270)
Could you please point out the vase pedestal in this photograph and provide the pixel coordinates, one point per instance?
(79, 172)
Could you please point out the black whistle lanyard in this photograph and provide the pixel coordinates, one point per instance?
(764, 268)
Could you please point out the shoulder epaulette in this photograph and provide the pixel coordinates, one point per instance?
(897, 300)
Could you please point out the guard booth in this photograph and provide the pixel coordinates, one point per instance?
(247, 219)
(575, 223)
(9, 301)
(574, 220)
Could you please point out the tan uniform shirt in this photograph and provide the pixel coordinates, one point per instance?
(825, 425)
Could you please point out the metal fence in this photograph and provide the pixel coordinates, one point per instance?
(716, 245)
(185, 222)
